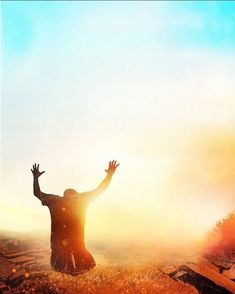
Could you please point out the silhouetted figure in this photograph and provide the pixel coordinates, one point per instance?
(68, 213)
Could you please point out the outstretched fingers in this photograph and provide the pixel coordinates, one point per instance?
(35, 170)
(113, 163)
(35, 166)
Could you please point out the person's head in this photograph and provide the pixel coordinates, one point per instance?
(70, 192)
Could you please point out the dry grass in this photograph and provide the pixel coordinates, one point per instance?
(105, 280)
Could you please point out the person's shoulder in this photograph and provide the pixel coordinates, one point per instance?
(51, 199)
(54, 197)
(58, 196)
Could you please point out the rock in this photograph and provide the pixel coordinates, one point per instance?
(27, 253)
(222, 264)
(230, 273)
(31, 262)
(17, 274)
(168, 269)
(16, 279)
(207, 263)
(5, 268)
(22, 259)
(180, 273)
(204, 278)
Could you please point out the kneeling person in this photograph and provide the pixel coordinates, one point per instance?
(68, 213)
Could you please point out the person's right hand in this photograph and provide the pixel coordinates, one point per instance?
(112, 167)
(35, 171)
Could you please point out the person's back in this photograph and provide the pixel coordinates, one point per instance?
(68, 219)
(67, 223)
(66, 215)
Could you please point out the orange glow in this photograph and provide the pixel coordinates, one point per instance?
(180, 181)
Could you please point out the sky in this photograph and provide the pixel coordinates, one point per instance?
(150, 84)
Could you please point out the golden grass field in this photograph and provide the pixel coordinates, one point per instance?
(106, 279)
(121, 268)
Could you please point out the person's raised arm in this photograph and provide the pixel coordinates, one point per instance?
(104, 184)
(36, 174)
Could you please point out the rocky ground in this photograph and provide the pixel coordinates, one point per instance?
(25, 268)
